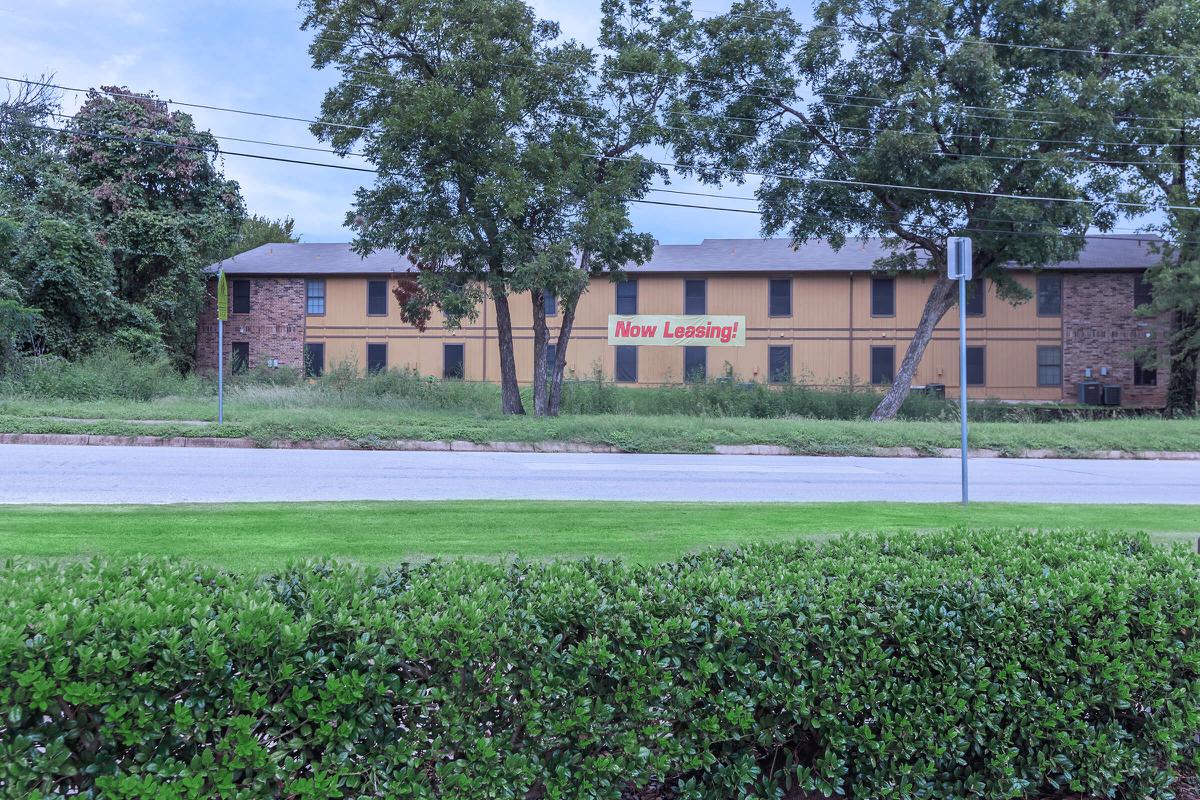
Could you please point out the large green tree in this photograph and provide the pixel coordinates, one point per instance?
(640, 65)
(257, 230)
(471, 111)
(840, 116)
(1152, 77)
(162, 202)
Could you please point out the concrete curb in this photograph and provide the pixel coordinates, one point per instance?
(459, 445)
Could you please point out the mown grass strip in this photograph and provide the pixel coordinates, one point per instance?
(256, 536)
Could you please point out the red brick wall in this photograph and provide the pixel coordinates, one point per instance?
(274, 327)
(1100, 329)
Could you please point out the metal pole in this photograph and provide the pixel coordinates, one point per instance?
(962, 375)
(220, 371)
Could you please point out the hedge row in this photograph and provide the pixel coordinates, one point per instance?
(983, 665)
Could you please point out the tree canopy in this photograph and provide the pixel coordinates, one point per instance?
(837, 119)
(480, 123)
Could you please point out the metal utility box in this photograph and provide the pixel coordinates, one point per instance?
(1112, 395)
(1090, 393)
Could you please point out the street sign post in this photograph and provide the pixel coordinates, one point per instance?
(222, 315)
(959, 267)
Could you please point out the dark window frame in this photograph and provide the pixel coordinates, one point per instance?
(630, 351)
(980, 297)
(236, 296)
(382, 367)
(1144, 376)
(371, 282)
(238, 366)
(891, 281)
(313, 368)
(772, 373)
(462, 361)
(771, 297)
(632, 283)
(1057, 279)
(693, 375)
(982, 350)
(549, 303)
(1047, 348)
(704, 298)
(891, 350)
(1143, 294)
(550, 353)
(309, 297)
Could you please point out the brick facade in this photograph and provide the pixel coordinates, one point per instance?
(274, 328)
(1101, 330)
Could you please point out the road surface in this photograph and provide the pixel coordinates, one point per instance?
(90, 474)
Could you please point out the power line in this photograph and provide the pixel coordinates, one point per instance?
(946, 39)
(169, 101)
(776, 176)
(928, 226)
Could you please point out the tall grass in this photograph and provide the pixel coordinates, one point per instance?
(118, 375)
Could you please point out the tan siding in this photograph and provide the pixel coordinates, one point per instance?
(819, 332)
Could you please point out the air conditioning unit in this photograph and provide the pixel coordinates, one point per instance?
(1112, 395)
(937, 390)
(1090, 393)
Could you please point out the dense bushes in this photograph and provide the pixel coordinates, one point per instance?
(111, 373)
(996, 665)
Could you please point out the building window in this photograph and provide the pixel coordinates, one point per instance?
(883, 365)
(1049, 295)
(694, 299)
(1049, 366)
(1142, 294)
(883, 297)
(695, 364)
(626, 371)
(314, 359)
(549, 303)
(314, 292)
(976, 290)
(376, 358)
(1144, 376)
(551, 356)
(779, 364)
(377, 298)
(239, 360)
(241, 297)
(976, 375)
(452, 361)
(627, 296)
(780, 297)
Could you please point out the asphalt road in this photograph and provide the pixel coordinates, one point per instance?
(89, 474)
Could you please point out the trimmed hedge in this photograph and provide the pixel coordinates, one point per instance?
(1000, 664)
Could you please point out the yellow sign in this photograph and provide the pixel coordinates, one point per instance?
(680, 330)
(222, 297)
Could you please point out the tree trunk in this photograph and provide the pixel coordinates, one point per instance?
(510, 391)
(560, 356)
(942, 298)
(567, 307)
(541, 393)
(1184, 361)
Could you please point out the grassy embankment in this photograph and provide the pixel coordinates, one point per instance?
(264, 536)
(117, 394)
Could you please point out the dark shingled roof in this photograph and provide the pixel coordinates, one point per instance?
(711, 255)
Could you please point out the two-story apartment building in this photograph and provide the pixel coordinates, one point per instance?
(812, 314)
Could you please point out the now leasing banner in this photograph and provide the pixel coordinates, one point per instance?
(693, 329)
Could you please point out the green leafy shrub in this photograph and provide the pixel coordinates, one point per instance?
(993, 665)
(112, 373)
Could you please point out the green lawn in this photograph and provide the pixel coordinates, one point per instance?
(255, 536)
(265, 417)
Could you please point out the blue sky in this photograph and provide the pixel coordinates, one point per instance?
(251, 54)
